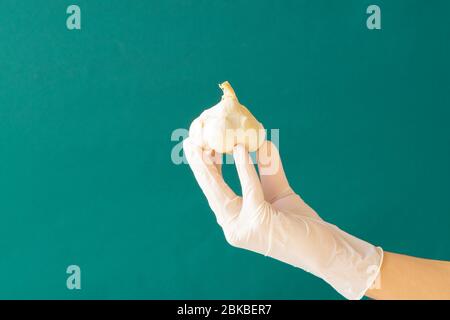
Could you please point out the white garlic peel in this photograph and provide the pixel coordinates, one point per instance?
(228, 123)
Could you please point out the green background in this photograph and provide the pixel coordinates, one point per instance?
(86, 118)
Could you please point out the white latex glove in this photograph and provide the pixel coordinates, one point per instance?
(272, 220)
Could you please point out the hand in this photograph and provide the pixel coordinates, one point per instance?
(271, 219)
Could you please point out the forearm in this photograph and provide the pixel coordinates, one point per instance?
(406, 277)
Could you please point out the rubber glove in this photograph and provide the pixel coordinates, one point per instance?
(271, 219)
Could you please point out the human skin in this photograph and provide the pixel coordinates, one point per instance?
(405, 277)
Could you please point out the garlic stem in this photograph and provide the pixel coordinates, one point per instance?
(228, 91)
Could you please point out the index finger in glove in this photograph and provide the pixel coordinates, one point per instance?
(273, 178)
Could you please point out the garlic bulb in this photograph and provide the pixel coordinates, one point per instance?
(227, 124)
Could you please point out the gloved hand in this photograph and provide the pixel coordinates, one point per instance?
(271, 219)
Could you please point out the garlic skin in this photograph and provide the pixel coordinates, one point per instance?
(227, 124)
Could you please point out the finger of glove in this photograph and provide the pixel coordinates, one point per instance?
(217, 192)
(273, 179)
(252, 192)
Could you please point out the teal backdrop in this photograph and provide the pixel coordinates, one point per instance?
(86, 118)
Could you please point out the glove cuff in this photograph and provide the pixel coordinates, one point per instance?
(355, 268)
